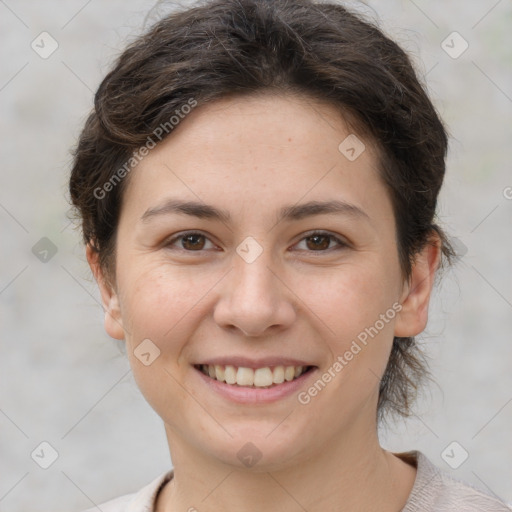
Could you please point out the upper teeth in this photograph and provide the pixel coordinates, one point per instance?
(261, 377)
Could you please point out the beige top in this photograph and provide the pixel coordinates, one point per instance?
(433, 491)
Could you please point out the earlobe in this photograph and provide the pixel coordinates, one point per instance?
(413, 316)
(109, 297)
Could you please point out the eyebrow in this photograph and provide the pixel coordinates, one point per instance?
(290, 212)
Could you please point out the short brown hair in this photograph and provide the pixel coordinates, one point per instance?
(222, 48)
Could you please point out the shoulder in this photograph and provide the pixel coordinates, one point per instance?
(141, 501)
(436, 491)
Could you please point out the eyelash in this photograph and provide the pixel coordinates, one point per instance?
(341, 243)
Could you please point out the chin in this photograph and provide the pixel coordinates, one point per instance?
(259, 449)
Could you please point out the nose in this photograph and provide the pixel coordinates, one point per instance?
(254, 299)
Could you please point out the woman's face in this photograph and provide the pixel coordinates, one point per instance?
(216, 264)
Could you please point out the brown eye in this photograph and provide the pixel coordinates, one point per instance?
(189, 242)
(322, 242)
(193, 242)
(318, 242)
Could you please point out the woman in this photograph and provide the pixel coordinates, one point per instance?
(257, 186)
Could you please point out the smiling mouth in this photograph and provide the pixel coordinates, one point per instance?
(266, 377)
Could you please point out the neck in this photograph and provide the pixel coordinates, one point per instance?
(343, 476)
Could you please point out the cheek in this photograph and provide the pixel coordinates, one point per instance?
(357, 305)
(352, 297)
(160, 301)
(159, 304)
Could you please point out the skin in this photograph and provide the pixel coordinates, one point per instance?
(251, 156)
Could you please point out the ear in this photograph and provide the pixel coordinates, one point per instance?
(412, 318)
(109, 298)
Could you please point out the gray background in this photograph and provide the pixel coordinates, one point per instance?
(64, 381)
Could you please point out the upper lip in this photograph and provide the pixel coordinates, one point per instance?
(246, 362)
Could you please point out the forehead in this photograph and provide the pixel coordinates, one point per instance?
(263, 148)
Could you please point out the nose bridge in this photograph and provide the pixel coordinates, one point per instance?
(253, 280)
(253, 284)
(253, 299)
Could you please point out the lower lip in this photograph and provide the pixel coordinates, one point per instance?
(246, 395)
